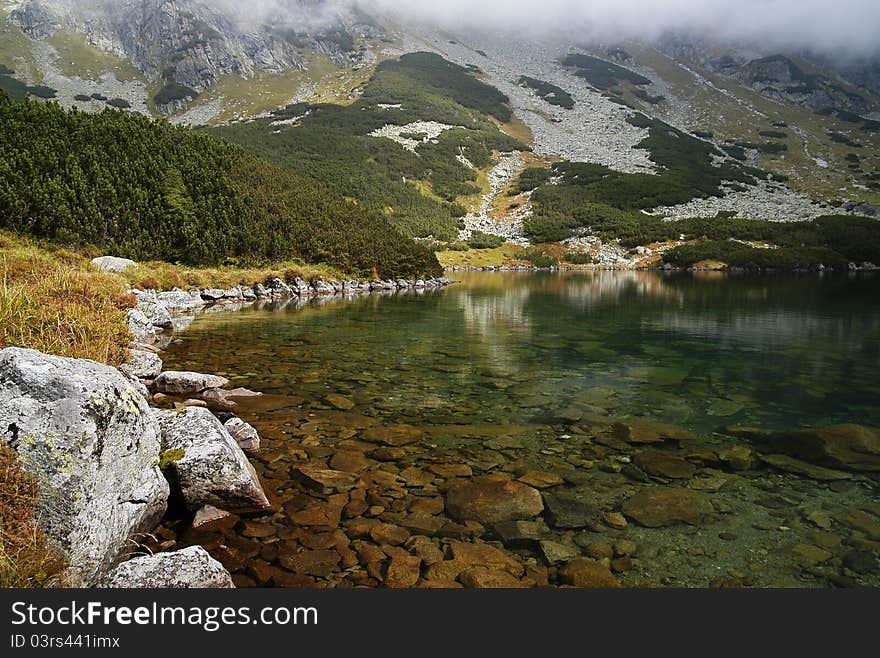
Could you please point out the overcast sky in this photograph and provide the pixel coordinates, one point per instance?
(848, 26)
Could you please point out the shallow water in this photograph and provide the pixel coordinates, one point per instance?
(531, 356)
(776, 352)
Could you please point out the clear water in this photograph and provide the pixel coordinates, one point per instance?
(778, 352)
(503, 372)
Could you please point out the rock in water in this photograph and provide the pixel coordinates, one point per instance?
(212, 469)
(641, 431)
(188, 568)
(664, 465)
(188, 383)
(155, 310)
(792, 465)
(112, 264)
(570, 509)
(588, 574)
(143, 365)
(93, 445)
(244, 434)
(141, 327)
(655, 508)
(491, 499)
(850, 447)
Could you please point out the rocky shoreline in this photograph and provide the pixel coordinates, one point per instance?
(667, 267)
(99, 451)
(191, 491)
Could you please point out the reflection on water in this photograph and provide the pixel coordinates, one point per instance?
(783, 351)
(508, 374)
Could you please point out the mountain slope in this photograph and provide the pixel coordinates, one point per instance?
(454, 135)
(152, 191)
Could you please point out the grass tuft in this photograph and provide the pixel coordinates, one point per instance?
(26, 558)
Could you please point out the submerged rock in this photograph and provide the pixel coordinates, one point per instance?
(664, 465)
(570, 509)
(586, 573)
(655, 508)
(792, 465)
(92, 444)
(211, 468)
(191, 567)
(491, 499)
(394, 435)
(187, 383)
(639, 431)
(850, 447)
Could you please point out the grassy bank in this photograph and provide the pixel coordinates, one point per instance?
(52, 301)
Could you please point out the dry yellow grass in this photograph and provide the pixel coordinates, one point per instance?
(166, 276)
(51, 301)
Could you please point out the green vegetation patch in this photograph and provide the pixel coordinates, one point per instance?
(591, 194)
(548, 92)
(480, 240)
(18, 90)
(148, 190)
(601, 74)
(332, 143)
(174, 91)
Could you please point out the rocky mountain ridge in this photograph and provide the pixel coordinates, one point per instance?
(191, 44)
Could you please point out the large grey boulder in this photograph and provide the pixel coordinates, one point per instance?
(211, 468)
(141, 364)
(154, 309)
(140, 326)
(92, 444)
(188, 383)
(191, 567)
(112, 264)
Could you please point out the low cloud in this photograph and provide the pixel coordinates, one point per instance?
(843, 27)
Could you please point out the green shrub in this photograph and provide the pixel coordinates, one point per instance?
(602, 74)
(174, 91)
(152, 191)
(537, 258)
(480, 240)
(548, 92)
(579, 258)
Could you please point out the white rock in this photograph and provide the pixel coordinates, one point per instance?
(191, 567)
(187, 383)
(179, 300)
(93, 445)
(155, 310)
(112, 264)
(213, 469)
(141, 327)
(141, 364)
